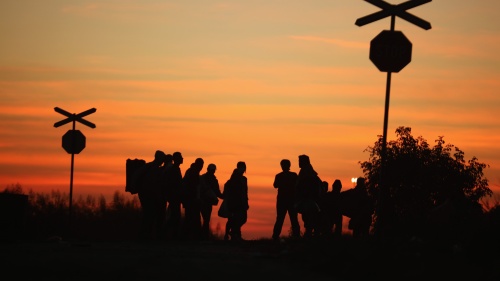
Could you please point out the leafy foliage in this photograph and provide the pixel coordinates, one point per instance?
(418, 178)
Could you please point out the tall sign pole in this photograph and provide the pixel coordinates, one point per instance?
(73, 141)
(390, 51)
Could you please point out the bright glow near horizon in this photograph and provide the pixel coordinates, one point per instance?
(255, 81)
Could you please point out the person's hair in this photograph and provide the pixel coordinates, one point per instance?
(177, 157)
(159, 154)
(337, 185)
(241, 166)
(168, 159)
(285, 163)
(236, 173)
(304, 159)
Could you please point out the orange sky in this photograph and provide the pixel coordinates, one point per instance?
(233, 81)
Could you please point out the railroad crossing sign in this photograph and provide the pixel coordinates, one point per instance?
(395, 10)
(390, 51)
(74, 117)
(73, 141)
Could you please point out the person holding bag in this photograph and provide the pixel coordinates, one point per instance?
(223, 212)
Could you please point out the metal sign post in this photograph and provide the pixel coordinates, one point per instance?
(390, 51)
(73, 142)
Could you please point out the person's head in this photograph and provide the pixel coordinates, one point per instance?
(168, 160)
(159, 157)
(337, 186)
(285, 164)
(199, 163)
(241, 166)
(304, 161)
(177, 158)
(211, 168)
(324, 186)
(236, 173)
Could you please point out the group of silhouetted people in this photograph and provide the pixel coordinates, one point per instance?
(164, 190)
(321, 210)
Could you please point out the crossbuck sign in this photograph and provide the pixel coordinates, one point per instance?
(395, 10)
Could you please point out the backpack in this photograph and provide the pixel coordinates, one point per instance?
(133, 176)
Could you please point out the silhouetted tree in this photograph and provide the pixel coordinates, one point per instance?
(14, 189)
(419, 179)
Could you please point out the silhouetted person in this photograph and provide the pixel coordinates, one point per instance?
(361, 219)
(335, 214)
(331, 211)
(236, 196)
(286, 184)
(169, 161)
(151, 195)
(191, 200)
(174, 189)
(309, 190)
(323, 222)
(167, 164)
(209, 186)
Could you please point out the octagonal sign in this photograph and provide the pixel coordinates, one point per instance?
(390, 51)
(73, 141)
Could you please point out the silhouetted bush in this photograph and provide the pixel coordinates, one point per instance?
(425, 191)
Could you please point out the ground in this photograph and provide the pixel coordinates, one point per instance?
(320, 259)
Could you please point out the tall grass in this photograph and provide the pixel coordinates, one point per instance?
(47, 216)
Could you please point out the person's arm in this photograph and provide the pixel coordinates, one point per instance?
(246, 192)
(217, 188)
(276, 182)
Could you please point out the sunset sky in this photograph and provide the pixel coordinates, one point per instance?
(228, 81)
